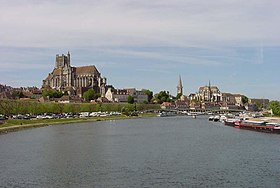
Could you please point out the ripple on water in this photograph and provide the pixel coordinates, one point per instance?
(152, 152)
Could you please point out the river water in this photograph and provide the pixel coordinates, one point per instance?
(151, 152)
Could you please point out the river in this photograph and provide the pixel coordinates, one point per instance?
(145, 152)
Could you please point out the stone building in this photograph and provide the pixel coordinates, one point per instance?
(231, 101)
(4, 88)
(209, 94)
(259, 102)
(74, 80)
(121, 95)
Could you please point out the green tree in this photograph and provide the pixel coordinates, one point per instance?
(149, 93)
(52, 93)
(178, 95)
(244, 99)
(275, 107)
(17, 94)
(89, 95)
(130, 99)
(161, 97)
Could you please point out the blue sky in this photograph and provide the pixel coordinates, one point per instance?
(146, 44)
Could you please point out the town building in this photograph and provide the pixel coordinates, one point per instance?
(167, 105)
(263, 103)
(74, 80)
(5, 92)
(121, 95)
(206, 94)
(5, 88)
(210, 97)
(231, 99)
(209, 93)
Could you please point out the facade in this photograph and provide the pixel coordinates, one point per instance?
(260, 102)
(209, 94)
(121, 95)
(74, 80)
(5, 92)
(228, 98)
(4, 88)
(167, 105)
(182, 104)
(238, 100)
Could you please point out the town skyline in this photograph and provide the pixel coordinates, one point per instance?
(147, 44)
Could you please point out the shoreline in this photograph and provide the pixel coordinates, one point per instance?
(8, 127)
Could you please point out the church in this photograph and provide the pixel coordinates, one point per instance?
(74, 80)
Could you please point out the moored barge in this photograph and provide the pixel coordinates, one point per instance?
(231, 122)
(260, 126)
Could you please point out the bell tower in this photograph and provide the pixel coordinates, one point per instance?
(180, 87)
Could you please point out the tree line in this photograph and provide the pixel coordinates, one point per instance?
(9, 107)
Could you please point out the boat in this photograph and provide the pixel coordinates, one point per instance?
(216, 118)
(223, 118)
(211, 118)
(162, 114)
(231, 122)
(261, 126)
(166, 114)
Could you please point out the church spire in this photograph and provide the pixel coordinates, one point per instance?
(180, 86)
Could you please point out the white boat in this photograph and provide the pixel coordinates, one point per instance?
(216, 118)
(211, 118)
(165, 114)
(223, 118)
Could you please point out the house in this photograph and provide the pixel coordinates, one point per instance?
(167, 105)
(259, 102)
(181, 104)
(121, 95)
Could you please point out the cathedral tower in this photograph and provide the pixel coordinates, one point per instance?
(62, 60)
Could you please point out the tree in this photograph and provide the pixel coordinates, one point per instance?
(52, 93)
(89, 95)
(161, 97)
(178, 95)
(130, 99)
(17, 94)
(149, 93)
(244, 99)
(275, 107)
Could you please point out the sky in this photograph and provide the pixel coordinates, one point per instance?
(146, 44)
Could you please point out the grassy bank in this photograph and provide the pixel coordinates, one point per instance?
(15, 125)
(10, 107)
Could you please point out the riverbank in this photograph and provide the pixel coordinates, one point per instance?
(16, 125)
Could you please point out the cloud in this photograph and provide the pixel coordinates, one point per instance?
(130, 22)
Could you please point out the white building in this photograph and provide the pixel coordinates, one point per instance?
(121, 95)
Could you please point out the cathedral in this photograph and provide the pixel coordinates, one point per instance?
(209, 93)
(74, 80)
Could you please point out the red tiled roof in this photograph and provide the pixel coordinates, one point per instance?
(56, 71)
(86, 70)
(166, 104)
